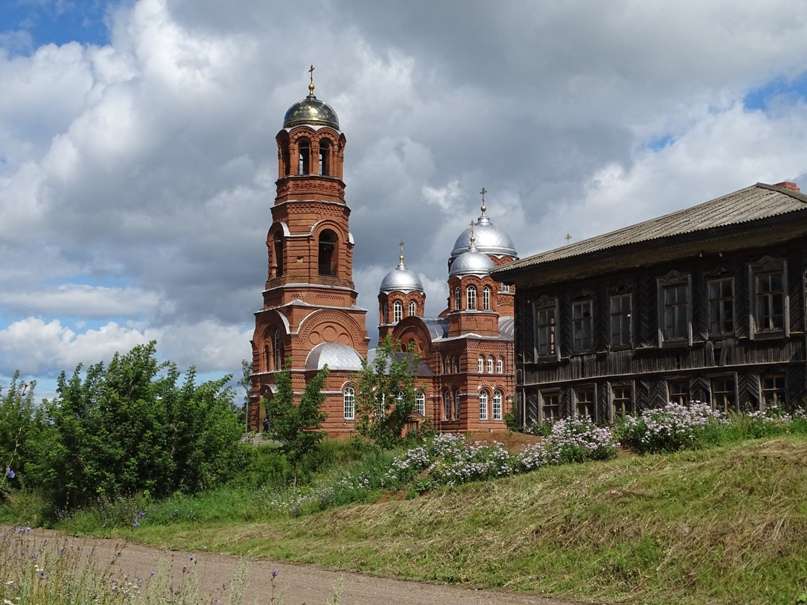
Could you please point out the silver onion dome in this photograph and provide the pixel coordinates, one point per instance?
(311, 111)
(489, 238)
(472, 262)
(401, 279)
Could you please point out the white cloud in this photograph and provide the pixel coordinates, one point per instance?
(85, 301)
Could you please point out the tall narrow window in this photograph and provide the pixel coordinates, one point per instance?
(324, 157)
(773, 389)
(498, 398)
(545, 330)
(621, 400)
(267, 358)
(446, 405)
(676, 311)
(278, 350)
(420, 403)
(550, 405)
(769, 307)
(349, 401)
(480, 364)
(621, 320)
(486, 298)
(500, 365)
(483, 405)
(721, 306)
(491, 363)
(413, 308)
(457, 405)
(471, 294)
(679, 391)
(303, 156)
(584, 400)
(327, 252)
(397, 311)
(457, 299)
(278, 247)
(582, 325)
(723, 397)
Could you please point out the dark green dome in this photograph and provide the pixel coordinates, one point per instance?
(311, 111)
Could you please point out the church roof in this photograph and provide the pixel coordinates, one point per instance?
(335, 355)
(757, 202)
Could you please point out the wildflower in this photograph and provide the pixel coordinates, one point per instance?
(10, 474)
(274, 573)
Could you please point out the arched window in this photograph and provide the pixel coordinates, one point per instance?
(446, 405)
(456, 365)
(303, 156)
(457, 298)
(278, 248)
(457, 406)
(277, 347)
(483, 405)
(480, 364)
(420, 403)
(397, 311)
(491, 362)
(327, 252)
(497, 405)
(267, 357)
(413, 308)
(286, 159)
(471, 294)
(324, 157)
(500, 365)
(349, 400)
(486, 298)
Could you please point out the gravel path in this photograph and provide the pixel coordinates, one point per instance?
(295, 584)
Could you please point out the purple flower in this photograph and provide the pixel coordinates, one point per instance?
(10, 474)
(274, 573)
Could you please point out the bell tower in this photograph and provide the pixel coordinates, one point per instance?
(309, 296)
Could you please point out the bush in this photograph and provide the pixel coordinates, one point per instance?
(569, 440)
(668, 429)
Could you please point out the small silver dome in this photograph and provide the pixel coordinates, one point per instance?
(471, 263)
(335, 355)
(401, 279)
(489, 238)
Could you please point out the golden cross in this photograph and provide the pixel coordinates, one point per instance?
(311, 79)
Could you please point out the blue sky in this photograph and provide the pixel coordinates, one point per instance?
(136, 173)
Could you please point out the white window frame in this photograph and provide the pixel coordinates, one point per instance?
(413, 308)
(349, 402)
(486, 298)
(420, 403)
(500, 365)
(480, 364)
(483, 404)
(491, 364)
(470, 298)
(397, 311)
(498, 404)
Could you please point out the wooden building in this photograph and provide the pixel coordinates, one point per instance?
(706, 303)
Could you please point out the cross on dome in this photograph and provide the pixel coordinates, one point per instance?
(311, 80)
(484, 206)
(401, 264)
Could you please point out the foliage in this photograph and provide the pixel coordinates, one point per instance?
(386, 394)
(134, 426)
(19, 424)
(295, 425)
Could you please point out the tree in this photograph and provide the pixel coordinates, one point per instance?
(19, 423)
(296, 426)
(386, 393)
(135, 426)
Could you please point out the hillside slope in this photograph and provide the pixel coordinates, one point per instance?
(723, 525)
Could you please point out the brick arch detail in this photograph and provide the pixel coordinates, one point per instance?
(330, 325)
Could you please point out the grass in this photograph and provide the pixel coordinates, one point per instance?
(720, 525)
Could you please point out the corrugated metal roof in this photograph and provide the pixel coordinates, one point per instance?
(752, 203)
(506, 327)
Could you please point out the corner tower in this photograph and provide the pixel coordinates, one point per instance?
(400, 295)
(309, 315)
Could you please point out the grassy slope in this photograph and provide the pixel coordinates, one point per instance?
(724, 525)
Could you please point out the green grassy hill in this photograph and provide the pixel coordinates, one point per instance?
(722, 525)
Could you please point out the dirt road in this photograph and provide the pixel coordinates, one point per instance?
(294, 584)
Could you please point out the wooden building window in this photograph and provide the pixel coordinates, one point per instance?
(721, 306)
(678, 391)
(550, 405)
(675, 299)
(545, 330)
(582, 325)
(773, 389)
(769, 307)
(584, 402)
(621, 313)
(621, 400)
(724, 394)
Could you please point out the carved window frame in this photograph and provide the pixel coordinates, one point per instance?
(767, 265)
(620, 384)
(542, 395)
(546, 304)
(577, 390)
(673, 279)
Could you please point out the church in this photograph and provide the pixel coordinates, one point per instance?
(310, 318)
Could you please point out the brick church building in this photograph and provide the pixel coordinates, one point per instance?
(310, 315)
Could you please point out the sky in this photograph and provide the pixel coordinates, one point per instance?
(137, 153)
